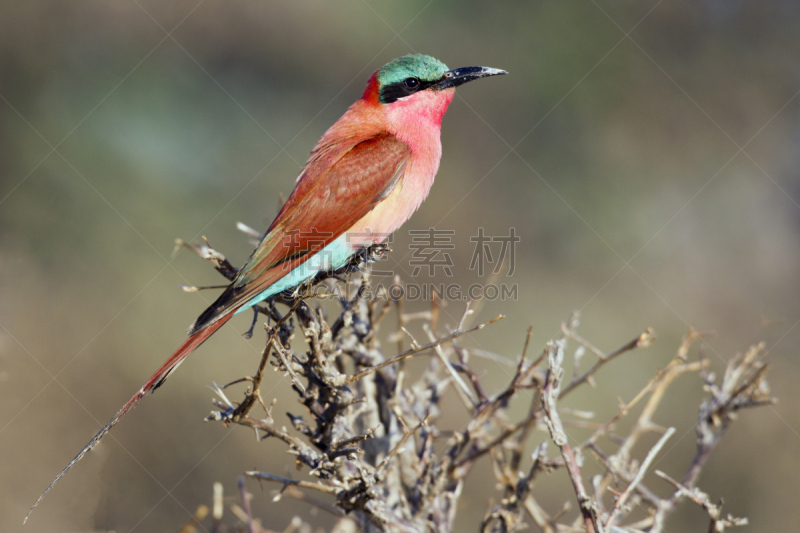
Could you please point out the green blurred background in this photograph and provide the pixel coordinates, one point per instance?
(645, 152)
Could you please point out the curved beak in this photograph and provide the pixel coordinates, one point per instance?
(460, 76)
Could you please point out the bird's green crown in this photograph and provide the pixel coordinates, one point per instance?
(408, 74)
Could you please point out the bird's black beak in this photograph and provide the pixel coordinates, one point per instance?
(460, 76)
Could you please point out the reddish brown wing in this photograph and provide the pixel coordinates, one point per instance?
(338, 186)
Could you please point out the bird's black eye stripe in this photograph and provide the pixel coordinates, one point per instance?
(398, 90)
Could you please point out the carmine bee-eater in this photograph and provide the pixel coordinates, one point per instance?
(365, 177)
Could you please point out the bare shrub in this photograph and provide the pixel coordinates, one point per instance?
(368, 434)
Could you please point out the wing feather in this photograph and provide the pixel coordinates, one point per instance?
(339, 185)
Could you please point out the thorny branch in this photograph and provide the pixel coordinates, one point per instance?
(555, 355)
(701, 498)
(377, 442)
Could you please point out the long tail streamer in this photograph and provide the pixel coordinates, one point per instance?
(153, 383)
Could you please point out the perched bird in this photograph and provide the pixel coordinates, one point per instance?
(365, 177)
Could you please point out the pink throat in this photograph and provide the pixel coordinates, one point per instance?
(416, 118)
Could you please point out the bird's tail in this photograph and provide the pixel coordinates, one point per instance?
(153, 383)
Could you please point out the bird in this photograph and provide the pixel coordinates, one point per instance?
(365, 177)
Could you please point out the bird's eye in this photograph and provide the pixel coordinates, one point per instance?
(411, 83)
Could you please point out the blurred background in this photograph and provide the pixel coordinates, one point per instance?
(645, 153)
